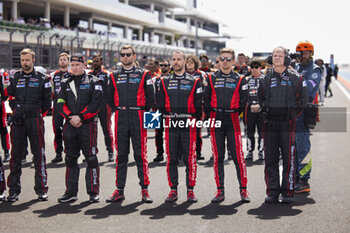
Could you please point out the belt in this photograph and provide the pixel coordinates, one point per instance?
(130, 108)
(278, 117)
(225, 110)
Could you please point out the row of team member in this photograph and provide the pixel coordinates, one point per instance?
(128, 108)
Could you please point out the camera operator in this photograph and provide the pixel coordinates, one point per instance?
(281, 93)
(312, 75)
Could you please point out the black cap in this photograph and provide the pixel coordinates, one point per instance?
(77, 57)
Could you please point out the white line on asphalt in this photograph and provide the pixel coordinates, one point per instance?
(346, 93)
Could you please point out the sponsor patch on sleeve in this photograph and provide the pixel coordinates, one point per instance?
(98, 87)
(245, 87)
(314, 75)
(48, 84)
(149, 82)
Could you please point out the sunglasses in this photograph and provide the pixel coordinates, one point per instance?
(204, 60)
(125, 54)
(163, 65)
(226, 58)
(255, 67)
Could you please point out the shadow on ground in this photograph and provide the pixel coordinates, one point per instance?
(113, 209)
(61, 208)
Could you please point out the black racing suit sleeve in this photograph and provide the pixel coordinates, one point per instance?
(62, 106)
(96, 93)
(149, 91)
(262, 92)
(243, 94)
(160, 103)
(303, 94)
(11, 90)
(110, 91)
(207, 97)
(198, 99)
(47, 93)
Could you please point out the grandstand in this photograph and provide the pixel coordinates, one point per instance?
(154, 27)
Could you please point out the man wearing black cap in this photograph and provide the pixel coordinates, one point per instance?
(79, 101)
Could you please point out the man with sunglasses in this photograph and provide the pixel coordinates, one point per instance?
(254, 120)
(131, 93)
(192, 67)
(204, 63)
(225, 99)
(105, 113)
(242, 68)
(165, 70)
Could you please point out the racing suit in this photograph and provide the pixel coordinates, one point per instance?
(199, 141)
(2, 177)
(82, 96)
(130, 93)
(180, 96)
(281, 95)
(5, 139)
(105, 112)
(159, 132)
(253, 120)
(243, 70)
(30, 100)
(312, 76)
(225, 98)
(57, 119)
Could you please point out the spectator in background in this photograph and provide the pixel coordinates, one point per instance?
(321, 90)
(328, 81)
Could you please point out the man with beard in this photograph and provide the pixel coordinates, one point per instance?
(131, 93)
(180, 99)
(79, 101)
(30, 99)
(165, 69)
(312, 75)
(105, 112)
(192, 67)
(225, 99)
(57, 119)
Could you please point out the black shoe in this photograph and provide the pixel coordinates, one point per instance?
(57, 159)
(6, 156)
(286, 200)
(43, 197)
(302, 186)
(118, 195)
(261, 155)
(219, 196)
(190, 196)
(67, 198)
(249, 156)
(12, 197)
(229, 157)
(159, 158)
(110, 156)
(172, 196)
(271, 200)
(2, 195)
(94, 198)
(200, 157)
(145, 196)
